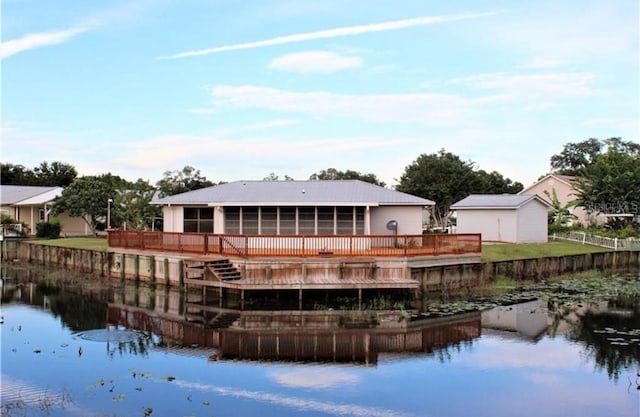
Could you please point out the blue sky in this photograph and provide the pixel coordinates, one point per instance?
(240, 89)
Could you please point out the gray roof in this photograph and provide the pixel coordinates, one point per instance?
(495, 201)
(290, 193)
(14, 194)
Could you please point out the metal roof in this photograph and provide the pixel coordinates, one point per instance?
(300, 193)
(496, 201)
(27, 194)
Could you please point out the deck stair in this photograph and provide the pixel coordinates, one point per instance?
(220, 270)
(224, 270)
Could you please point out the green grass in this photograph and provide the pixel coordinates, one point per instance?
(92, 243)
(508, 251)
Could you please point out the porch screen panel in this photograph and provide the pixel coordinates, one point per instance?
(360, 220)
(268, 220)
(250, 220)
(287, 220)
(325, 220)
(344, 220)
(232, 220)
(306, 220)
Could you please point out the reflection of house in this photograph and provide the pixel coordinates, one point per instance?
(318, 336)
(31, 205)
(503, 217)
(564, 186)
(528, 319)
(294, 208)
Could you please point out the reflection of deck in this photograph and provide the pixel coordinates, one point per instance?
(305, 335)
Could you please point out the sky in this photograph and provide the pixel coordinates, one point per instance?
(243, 89)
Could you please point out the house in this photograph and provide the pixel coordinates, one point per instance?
(503, 217)
(564, 187)
(346, 207)
(31, 205)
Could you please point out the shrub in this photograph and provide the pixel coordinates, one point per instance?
(48, 230)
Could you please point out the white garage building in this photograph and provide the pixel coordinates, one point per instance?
(503, 217)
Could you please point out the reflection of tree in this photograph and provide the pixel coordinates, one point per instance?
(77, 310)
(606, 337)
(140, 346)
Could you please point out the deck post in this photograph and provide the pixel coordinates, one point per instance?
(136, 267)
(181, 272)
(122, 259)
(241, 299)
(152, 268)
(359, 298)
(166, 271)
(300, 298)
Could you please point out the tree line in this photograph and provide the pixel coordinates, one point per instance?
(606, 170)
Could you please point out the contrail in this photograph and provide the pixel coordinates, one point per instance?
(333, 33)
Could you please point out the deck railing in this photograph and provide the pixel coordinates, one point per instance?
(246, 246)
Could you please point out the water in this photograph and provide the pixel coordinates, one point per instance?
(88, 348)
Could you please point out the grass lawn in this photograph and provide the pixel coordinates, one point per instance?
(506, 251)
(93, 243)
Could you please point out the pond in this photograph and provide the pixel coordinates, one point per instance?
(78, 346)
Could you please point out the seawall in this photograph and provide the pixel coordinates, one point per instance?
(168, 269)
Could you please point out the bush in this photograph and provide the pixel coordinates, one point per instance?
(48, 230)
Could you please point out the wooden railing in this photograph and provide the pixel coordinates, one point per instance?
(297, 245)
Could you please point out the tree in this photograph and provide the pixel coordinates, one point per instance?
(442, 177)
(177, 182)
(274, 177)
(56, 174)
(611, 182)
(132, 206)
(88, 198)
(334, 174)
(17, 175)
(445, 178)
(576, 156)
(560, 214)
(494, 183)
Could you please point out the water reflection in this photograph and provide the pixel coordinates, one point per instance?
(132, 319)
(179, 358)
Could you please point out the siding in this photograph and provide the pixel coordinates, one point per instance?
(532, 223)
(494, 225)
(409, 220)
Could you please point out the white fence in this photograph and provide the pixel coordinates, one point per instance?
(605, 242)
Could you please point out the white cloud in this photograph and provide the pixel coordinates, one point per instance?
(295, 403)
(315, 62)
(527, 86)
(333, 33)
(423, 108)
(38, 40)
(319, 378)
(544, 63)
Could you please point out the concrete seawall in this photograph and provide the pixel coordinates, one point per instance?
(168, 269)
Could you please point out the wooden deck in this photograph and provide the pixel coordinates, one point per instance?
(318, 246)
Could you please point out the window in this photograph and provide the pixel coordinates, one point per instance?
(325, 220)
(249, 220)
(344, 220)
(198, 220)
(232, 220)
(306, 220)
(287, 220)
(360, 220)
(268, 220)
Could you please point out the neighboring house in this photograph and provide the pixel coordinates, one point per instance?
(31, 205)
(348, 207)
(564, 185)
(503, 217)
